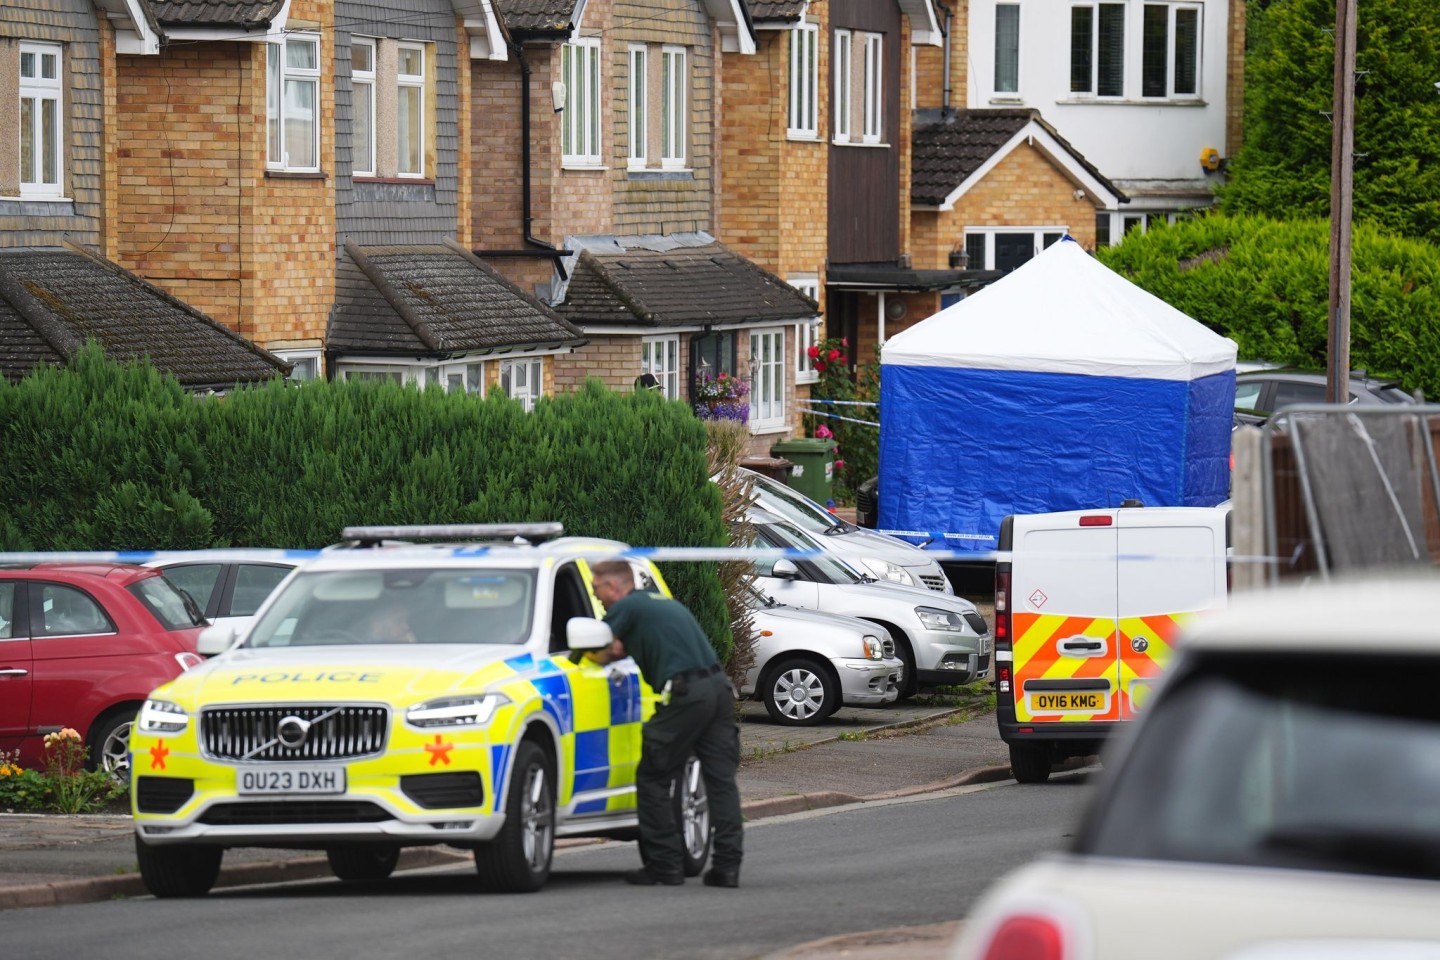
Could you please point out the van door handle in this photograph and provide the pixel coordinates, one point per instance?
(14, 673)
(1081, 646)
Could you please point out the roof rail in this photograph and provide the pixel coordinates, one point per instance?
(465, 532)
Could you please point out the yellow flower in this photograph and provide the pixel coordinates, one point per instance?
(10, 770)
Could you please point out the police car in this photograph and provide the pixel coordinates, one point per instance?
(400, 696)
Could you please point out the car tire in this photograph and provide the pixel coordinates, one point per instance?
(910, 685)
(363, 861)
(800, 692)
(178, 871)
(1030, 762)
(518, 859)
(692, 816)
(110, 743)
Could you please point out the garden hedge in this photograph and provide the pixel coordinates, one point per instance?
(108, 456)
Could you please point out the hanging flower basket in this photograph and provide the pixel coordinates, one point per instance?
(722, 397)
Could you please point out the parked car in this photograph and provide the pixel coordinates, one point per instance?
(1279, 796)
(884, 557)
(390, 696)
(808, 663)
(227, 591)
(942, 639)
(1262, 392)
(81, 646)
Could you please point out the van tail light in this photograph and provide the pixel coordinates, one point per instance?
(1002, 605)
(1026, 937)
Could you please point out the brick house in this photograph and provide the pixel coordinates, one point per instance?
(60, 284)
(602, 139)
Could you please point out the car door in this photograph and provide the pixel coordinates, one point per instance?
(16, 665)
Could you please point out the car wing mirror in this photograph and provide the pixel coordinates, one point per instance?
(587, 633)
(216, 638)
(785, 570)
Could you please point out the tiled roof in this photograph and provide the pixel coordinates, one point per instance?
(52, 301)
(226, 13)
(423, 300)
(662, 281)
(786, 11)
(946, 152)
(536, 15)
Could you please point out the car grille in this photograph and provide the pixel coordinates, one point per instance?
(162, 794)
(337, 732)
(294, 811)
(977, 623)
(436, 790)
(934, 581)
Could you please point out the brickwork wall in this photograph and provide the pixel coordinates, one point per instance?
(616, 360)
(930, 62)
(754, 211)
(494, 138)
(110, 171)
(584, 200)
(465, 187)
(1025, 190)
(1235, 80)
(905, 140)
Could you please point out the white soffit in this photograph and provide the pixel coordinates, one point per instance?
(924, 26)
(133, 31)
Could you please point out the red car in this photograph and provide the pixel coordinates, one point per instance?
(82, 645)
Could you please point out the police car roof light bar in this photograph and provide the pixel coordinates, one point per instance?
(465, 532)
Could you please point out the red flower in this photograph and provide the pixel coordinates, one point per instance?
(723, 375)
(813, 353)
(819, 366)
(844, 342)
(833, 355)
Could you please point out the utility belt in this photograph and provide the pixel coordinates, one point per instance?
(679, 684)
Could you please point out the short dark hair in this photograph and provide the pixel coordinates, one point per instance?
(612, 570)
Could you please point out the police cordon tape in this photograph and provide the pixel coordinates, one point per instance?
(659, 554)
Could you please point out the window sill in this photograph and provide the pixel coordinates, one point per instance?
(367, 178)
(1007, 99)
(577, 167)
(758, 429)
(658, 173)
(296, 175)
(1131, 102)
(798, 137)
(39, 198)
(859, 143)
(804, 378)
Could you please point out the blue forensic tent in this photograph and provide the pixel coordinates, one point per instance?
(1062, 386)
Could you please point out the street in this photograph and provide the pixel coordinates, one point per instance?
(806, 876)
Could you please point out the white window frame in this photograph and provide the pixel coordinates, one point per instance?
(674, 107)
(990, 233)
(302, 358)
(470, 372)
(45, 95)
(362, 145)
(844, 56)
(767, 379)
(533, 370)
(808, 333)
(1171, 13)
(1093, 90)
(580, 125)
(404, 373)
(661, 356)
(804, 82)
(280, 79)
(873, 99)
(406, 82)
(639, 104)
(1012, 51)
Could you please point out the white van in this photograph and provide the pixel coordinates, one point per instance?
(884, 557)
(1086, 607)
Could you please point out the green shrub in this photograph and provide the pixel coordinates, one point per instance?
(1265, 284)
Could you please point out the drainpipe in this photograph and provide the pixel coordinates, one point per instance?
(945, 102)
(525, 213)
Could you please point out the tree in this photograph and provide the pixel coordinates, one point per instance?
(1283, 169)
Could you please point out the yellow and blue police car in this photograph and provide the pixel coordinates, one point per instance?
(399, 696)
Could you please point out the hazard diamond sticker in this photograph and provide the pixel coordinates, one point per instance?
(1038, 598)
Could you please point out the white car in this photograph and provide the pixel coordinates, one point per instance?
(807, 664)
(883, 557)
(1278, 798)
(942, 639)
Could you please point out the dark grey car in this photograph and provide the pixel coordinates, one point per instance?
(1262, 392)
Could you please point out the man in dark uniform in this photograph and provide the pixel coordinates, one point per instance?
(696, 715)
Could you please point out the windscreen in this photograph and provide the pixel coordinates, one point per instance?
(831, 568)
(797, 508)
(172, 606)
(1315, 762)
(381, 607)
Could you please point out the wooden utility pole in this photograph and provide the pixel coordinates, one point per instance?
(1342, 195)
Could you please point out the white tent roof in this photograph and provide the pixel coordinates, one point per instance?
(1065, 312)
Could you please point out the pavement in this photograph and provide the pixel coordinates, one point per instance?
(858, 755)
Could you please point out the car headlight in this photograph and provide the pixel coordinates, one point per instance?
(936, 619)
(456, 711)
(885, 570)
(161, 718)
(874, 649)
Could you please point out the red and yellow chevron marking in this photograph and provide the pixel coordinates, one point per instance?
(1127, 673)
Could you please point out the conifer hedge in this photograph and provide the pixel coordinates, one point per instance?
(108, 456)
